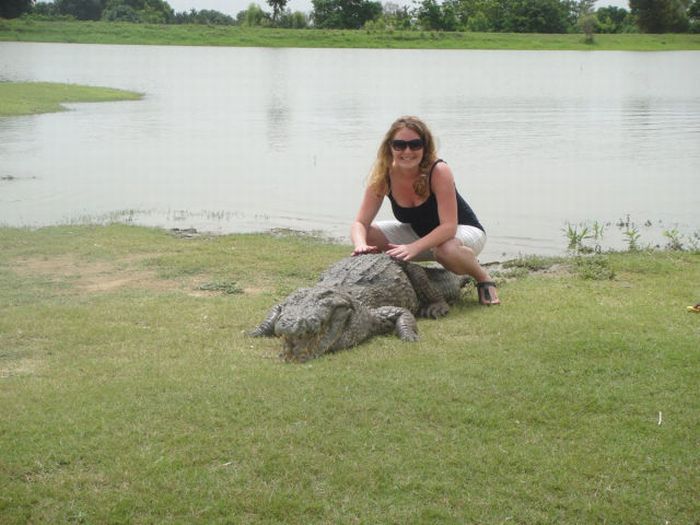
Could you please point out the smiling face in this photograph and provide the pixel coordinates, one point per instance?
(407, 158)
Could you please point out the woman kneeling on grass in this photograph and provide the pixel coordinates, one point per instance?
(433, 221)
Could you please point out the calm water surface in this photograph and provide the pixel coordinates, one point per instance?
(249, 139)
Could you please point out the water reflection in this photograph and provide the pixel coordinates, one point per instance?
(232, 139)
(278, 123)
(277, 101)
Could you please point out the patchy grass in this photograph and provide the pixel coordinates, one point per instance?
(575, 401)
(229, 287)
(29, 98)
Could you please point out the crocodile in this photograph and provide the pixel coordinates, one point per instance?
(357, 298)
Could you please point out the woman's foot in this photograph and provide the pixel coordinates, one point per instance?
(487, 293)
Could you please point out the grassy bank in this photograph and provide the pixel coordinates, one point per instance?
(131, 394)
(123, 33)
(28, 98)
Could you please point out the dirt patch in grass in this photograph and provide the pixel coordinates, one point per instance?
(104, 276)
(556, 270)
(17, 368)
(519, 268)
(95, 276)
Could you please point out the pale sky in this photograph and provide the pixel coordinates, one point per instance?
(232, 7)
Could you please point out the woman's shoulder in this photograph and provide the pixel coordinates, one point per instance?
(375, 192)
(441, 172)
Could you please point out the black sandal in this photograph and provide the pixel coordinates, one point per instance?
(484, 290)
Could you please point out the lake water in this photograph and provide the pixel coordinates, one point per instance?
(251, 139)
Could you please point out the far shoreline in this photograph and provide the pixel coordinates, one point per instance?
(493, 259)
(120, 33)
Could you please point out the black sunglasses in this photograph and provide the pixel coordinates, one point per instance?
(413, 145)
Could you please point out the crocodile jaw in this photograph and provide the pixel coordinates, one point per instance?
(301, 347)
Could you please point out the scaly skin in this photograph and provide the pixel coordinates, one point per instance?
(355, 299)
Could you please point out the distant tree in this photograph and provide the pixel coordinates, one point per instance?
(47, 9)
(156, 12)
(478, 15)
(15, 8)
(205, 16)
(534, 16)
(612, 19)
(326, 14)
(588, 25)
(479, 23)
(694, 16)
(401, 18)
(277, 8)
(254, 16)
(344, 14)
(149, 11)
(578, 9)
(213, 17)
(81, 9)
(394, 16)
(660, 16)
(432, 16)
(429, 15)
(694, 10)
(457, 12)
(517, 16)
(295, 20)
(449, 16)
(120, 12)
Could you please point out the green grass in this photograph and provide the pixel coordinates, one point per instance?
(576, 401)
(125, 33)
(28, 98)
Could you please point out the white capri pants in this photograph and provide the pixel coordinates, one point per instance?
(401, 233)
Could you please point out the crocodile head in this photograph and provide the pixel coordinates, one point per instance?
(312, 322)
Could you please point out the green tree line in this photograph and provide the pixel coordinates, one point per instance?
(511, 16)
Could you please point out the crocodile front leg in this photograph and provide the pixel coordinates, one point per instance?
(267, 327)
(399, 319)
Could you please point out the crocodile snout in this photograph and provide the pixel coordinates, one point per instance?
(298, 326)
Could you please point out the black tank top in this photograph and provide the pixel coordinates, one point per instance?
(424, 218)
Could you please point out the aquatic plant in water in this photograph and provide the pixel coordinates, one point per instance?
(675, 242)
(576, 234)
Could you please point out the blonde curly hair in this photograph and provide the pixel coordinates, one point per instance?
(379, 176)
